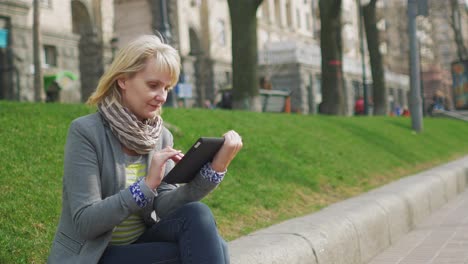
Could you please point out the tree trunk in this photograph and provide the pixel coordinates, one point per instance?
(91, 63)
(244, 53)
(379, 90)
(457, 31)
(333, 101)
(38, 82)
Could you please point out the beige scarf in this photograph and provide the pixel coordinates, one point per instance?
(141, 137)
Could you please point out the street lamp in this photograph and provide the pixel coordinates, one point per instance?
(415, 8)
(165, 27)
(165, 30)
(114, 43)
(361, 44)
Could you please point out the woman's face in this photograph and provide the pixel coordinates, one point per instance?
(145, 92)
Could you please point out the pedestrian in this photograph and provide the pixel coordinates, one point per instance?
(398, 110)
(405, 112)
(115, 206)
(359, 106)
(265, 83)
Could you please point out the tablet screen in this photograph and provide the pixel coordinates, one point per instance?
(201, 152)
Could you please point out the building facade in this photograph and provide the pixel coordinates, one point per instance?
(75, 38)
(437, 76)
(437, 45)
(200, 30)
(82, 36)
(289, 45)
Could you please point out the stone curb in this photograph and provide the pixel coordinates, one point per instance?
(355, 230)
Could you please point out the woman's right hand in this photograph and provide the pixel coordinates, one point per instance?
(158, 165)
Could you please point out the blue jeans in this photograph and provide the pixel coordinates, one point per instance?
(188, 235)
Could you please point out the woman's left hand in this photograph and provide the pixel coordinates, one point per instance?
(231, 146)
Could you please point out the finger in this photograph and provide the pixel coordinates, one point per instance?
(231, 136)
(236, 138)
(176, 158)
(167, 154)
(228, 133)
(169, 150)
(166, 149)
(235, 135)
(179, 156)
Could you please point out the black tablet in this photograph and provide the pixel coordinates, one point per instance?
(200, 153)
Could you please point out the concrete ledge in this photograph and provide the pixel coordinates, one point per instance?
(270, 248)
(355, 230)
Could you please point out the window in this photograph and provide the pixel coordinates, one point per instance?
(315, 19)
(221, 32)
(50, 55)
(391, 99)
(195, 3)
(308, 20)
(400, 97)
(318, 85)
(3, 33)
(383, 48)
(46, 3)
(278, 12)
(266, 12)
(298, 16)
(357, 89)
(288, 14)
(228, 77)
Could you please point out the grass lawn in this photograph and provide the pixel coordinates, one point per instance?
(290, 165)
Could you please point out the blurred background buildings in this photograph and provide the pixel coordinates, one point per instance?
(82, 36)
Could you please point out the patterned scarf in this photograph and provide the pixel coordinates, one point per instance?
(131, 132)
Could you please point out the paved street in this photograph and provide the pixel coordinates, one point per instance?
(442, 238)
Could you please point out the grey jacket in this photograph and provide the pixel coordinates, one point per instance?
(94, 197)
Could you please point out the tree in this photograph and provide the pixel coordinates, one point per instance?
(451, 15)
(244, 53)
(332, 67)
(379, 90)
(38, 83)
(455, 22)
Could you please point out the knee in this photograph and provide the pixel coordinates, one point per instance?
(197, 207)
(199, 211)
(224, 246)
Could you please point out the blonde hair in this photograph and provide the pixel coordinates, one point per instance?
(132, 59)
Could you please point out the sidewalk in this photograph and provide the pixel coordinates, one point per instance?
(391, 224)
(442, 238)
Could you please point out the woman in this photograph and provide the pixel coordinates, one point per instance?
(114, 164)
